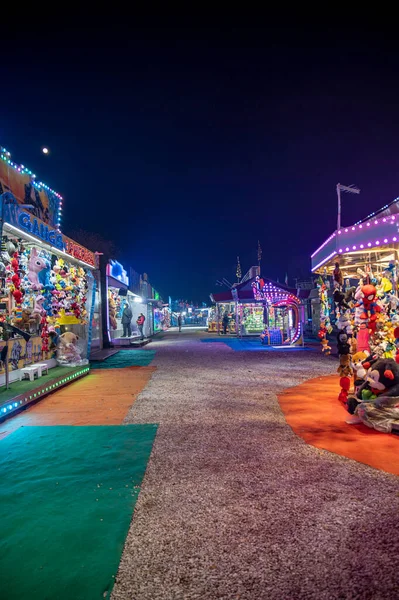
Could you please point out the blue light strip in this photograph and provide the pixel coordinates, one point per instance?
(16, 403)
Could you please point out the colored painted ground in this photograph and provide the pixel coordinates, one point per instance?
(101, 398)
(126, 358)
(66, 525)
(19, 387)
(314, 413)
(68, 494)
(244, 345)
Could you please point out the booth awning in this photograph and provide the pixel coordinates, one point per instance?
(379, 232)
(244, 292)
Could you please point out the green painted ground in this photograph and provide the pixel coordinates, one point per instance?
(67, 495)
(21, 387)
(125, 358)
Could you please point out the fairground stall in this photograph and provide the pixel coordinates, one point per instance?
(261, 307)
(118, 294)
(192, 316)
(358, 288)
(47, 284)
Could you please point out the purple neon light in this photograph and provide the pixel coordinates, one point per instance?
(324, 260)
(323, 244)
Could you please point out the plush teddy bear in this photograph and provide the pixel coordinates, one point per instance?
(353, 345)
(68, 338)
(112, 312)
(345, 369)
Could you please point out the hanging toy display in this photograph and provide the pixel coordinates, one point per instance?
(45, 291)
(325, 323)
(337, 275)
(44, 336)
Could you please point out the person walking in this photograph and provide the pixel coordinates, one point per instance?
(225, 322)
(127, 317)
(140, 325)
(179, 321)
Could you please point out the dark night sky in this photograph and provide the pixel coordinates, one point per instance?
(185, 146)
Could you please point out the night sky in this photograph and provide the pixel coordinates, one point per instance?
(185, 145)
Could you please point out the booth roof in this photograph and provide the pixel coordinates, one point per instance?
(377, 230)
(116, 283)
(245, 293)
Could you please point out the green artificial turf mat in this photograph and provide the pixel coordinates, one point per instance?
(125, 358)
(67, 495)
(20, 387)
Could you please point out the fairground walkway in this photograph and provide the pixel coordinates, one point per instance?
(172, 472)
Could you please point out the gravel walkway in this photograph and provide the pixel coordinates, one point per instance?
(234, 505)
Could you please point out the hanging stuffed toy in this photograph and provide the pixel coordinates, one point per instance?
(325, 348)
(370, 306)
(342, 343)
(345, 384)
(338, 278)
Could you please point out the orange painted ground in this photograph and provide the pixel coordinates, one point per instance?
(314, 413)
(101, 398)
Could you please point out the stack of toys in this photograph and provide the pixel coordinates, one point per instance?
(366, 318)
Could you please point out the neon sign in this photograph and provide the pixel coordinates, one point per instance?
(35, 227)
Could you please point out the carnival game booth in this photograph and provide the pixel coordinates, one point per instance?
(47, 292)
(261, 307)
(119, 294)
(359, 265)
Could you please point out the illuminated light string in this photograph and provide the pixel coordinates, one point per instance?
(346, 230)
(324, 244)
(383, 208)
(369, 245)
(15, 405)
(325, 260)
(6, 156)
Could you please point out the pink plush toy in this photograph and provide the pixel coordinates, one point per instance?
(38, 308)
(35, 265)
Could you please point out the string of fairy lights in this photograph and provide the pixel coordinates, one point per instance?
(5, 155)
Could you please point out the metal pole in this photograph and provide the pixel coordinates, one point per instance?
(339, 206)
(6, 336)
(7, 374)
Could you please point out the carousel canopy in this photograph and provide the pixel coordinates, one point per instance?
(376, 235)
(244, 292)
